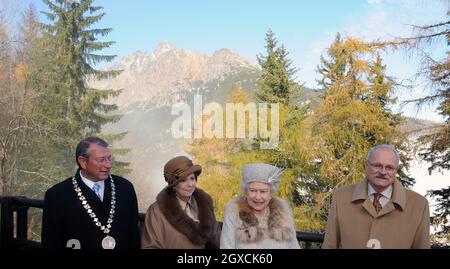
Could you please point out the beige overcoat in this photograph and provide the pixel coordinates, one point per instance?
(404, 222)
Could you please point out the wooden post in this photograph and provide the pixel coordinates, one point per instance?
(22, 221)
(6, 222)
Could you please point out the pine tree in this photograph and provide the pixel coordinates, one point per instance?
(43, 160)
(381, 89)
(353, 116)
(334, 68)
(435, 148)
(75, 44)
(276, 82)
(78, 110)
(277, 85)
(435, 145)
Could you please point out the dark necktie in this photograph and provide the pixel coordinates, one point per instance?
(376, 201)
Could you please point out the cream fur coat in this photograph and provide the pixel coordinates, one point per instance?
(241, 229)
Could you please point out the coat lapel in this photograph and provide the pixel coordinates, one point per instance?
(398, 198)
(360, 194)
(399, 194)
(107, 192)
(388, 208)
(368, 206)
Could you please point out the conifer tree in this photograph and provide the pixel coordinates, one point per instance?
(435, 144)
(353, 116)
(276, 82)
(277, 85)
(75, 45)
(77, 110)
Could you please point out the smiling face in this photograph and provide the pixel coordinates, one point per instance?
(381, 169)
(258, 196)
(186, 187)
(97, 165)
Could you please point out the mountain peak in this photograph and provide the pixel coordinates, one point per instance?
(223, 51)
(168, 73)
(163, 47)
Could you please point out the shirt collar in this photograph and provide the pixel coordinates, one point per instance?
(184, 203)
(398, 192)
(386, 193)
(193, 207)
(91, 183)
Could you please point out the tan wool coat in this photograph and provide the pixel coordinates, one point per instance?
(403, 223)
(167, 226)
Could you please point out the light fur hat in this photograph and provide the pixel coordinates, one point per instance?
(261, 172)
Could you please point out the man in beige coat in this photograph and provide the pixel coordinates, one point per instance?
(378, 212)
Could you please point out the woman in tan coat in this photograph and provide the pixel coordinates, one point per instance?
(183, 215)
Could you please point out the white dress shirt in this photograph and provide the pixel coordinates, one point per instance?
(385, 195)
(91, 183)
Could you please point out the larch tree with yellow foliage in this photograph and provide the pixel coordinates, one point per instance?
(222, 159)
(354, 115)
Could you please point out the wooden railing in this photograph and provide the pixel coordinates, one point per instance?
(14, 230)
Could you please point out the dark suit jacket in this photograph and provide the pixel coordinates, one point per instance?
(65, 218)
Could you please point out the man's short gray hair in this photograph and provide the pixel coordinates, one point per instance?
(386, 147)
(83, 147)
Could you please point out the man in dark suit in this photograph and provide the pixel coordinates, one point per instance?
(92, 209)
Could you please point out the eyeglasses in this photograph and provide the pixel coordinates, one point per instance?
(379, 167)
(103, 159)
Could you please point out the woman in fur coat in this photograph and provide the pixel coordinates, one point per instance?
(182, 216)
(258, 219)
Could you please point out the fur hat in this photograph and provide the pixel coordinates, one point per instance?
(261, 172)
(178, 168)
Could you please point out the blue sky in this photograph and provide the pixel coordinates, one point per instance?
(306, 28)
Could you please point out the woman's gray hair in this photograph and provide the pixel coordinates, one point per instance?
(273, 187)
(383, 146)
